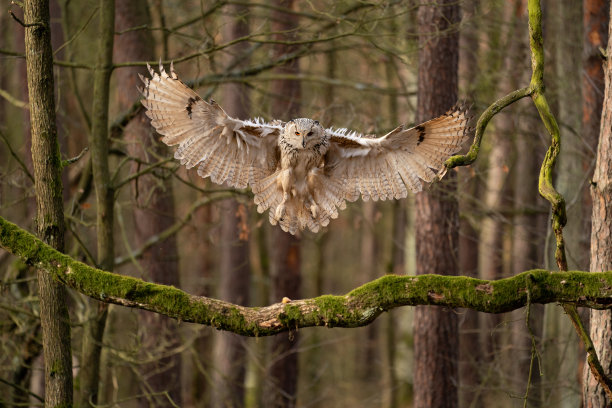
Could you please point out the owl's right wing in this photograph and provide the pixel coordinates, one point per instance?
(232, 151)
(385, 167)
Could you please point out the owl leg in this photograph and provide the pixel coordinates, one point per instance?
(286, 182)
(312, 203)
(314, 207)
(281, 210)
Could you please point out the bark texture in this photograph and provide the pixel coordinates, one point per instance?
(152, 199)
(47, 165)
(596, 19)
(436, 341)
(234, 272)
(89, 375)
(601, 231)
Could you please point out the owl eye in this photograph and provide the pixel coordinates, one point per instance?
(297, 133)
(309, 133)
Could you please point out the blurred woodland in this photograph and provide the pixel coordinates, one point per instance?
(130, 208)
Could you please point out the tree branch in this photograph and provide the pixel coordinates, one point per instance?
(483, 121)
(357, 308)
(545, 184)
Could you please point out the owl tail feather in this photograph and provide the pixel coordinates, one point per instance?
(297, 213)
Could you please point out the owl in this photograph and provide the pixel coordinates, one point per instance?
(300, 171)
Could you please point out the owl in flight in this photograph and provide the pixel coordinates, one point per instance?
(300, 171)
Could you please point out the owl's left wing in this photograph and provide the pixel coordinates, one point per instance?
(233, 151)
(384, 167)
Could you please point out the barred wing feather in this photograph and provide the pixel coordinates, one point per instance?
(387, 167)
(228, 150)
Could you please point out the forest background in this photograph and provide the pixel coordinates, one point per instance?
(129, 207)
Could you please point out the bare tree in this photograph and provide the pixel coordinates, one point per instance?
(601, 221)
(595, 37)
(89, 375)
(436, 329)
(47, 165)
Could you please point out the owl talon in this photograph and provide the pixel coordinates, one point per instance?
(280, 212)
(314, 210)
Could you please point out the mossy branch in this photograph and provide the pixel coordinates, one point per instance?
(545, 182)
(357, 308)
(483, 121)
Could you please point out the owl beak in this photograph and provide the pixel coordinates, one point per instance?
(303, 141)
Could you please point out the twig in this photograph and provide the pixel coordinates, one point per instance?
(75, 159)
(79, 31)
(117, 186)
(16, 157)
(21, 23)
(171, 230)
(79, 241)
(13, 101)
(483, 121)
(534, 350)
(22, 389)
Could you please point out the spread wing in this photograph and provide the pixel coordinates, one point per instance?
(229, 150)
(385, 167)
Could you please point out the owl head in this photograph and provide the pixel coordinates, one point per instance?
(303, 133)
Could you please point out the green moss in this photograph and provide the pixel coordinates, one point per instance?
(56, 368)
(290, 315)
(383, 290)
(357, 308)
(235, 319)
(332, 309)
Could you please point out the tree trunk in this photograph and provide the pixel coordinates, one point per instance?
(198, 251)
(436, 340)
(595, 37)
(89, 375)
(235, 272)
(469, 328)
(286, 268)
(153, 204)
(286, 280)
(46, 161)
(601, 224)
(398, 249)
(367, 350)
(230, 349)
